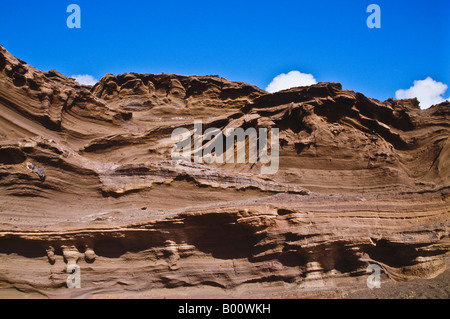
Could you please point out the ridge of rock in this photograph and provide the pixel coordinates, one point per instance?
(86, 178)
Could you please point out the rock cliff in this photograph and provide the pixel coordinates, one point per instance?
(86, 178)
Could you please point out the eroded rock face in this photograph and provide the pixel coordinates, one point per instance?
(86, 178)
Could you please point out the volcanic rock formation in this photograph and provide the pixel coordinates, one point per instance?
(86, 178)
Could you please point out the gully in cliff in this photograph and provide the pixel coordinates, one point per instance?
(208, 146)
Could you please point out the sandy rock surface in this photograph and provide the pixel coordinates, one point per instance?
(86, 178)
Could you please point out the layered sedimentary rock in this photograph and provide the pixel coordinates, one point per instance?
(87, 179)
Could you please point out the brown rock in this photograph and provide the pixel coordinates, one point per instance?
(360, 181)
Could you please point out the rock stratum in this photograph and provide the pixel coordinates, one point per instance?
(86, 178)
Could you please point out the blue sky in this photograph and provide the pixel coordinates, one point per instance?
(249, 41)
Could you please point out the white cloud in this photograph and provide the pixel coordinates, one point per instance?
(85, 79)
(290, 80)
(429, 92)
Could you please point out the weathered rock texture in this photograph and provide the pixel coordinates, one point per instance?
(86, 178)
